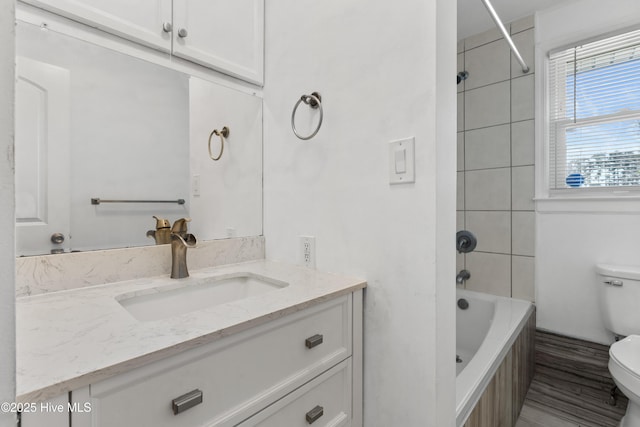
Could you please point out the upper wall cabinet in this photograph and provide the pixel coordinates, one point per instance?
(141, 21)
(226, 35)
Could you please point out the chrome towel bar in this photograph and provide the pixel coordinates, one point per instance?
(97, 201)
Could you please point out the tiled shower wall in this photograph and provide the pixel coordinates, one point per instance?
(496, 161)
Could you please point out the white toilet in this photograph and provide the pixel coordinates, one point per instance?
(620, 305)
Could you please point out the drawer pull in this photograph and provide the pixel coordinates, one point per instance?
(313, 341)
(314, 414)
(186, 401)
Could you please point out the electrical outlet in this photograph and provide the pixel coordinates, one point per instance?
(308, 251)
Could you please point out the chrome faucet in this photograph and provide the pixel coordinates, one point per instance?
(462, 276)
(180, 241)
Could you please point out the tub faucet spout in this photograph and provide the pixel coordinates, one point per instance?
(462, 276)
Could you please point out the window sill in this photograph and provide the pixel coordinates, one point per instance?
(601, 204)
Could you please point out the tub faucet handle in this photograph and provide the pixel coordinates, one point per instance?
(465, 241)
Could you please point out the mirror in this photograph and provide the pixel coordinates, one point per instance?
(95, 123)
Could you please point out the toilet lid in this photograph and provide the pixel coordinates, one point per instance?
(626, 353)
(621, 271)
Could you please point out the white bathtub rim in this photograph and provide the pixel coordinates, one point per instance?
(510, 316)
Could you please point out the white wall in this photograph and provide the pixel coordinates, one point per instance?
(385, 72)
(7, 221)
(570, 240)
(570, 245)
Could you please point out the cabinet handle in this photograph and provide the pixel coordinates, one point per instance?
(313, 341)
(313, 415)
(182, 33)
(167, 27)
(186, 401)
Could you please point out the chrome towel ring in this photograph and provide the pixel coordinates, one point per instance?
(224, 133)
(314, 101)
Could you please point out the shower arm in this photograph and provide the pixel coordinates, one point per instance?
(505, 33)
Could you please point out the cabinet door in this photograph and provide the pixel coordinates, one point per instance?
(141, 20)
(227, 35)
(50, 413)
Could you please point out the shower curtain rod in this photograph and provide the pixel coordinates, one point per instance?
(505, 33)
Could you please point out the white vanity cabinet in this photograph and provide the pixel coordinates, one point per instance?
(296, 370)
(225, 35)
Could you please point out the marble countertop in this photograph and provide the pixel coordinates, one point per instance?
(69, 339)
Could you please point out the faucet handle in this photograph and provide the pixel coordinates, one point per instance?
(162, 223)
(180, 226)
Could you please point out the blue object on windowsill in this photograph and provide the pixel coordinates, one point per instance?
(575, 180)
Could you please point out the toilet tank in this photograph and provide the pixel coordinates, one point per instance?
(619, 289)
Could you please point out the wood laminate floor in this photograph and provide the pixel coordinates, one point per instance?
(571, 386)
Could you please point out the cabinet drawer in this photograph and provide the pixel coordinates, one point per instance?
(238, 375)
(325, 401)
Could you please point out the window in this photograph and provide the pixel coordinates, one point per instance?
(594, 115)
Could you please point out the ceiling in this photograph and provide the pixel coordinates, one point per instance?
(473, 18)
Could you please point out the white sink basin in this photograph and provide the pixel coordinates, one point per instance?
(195, 293)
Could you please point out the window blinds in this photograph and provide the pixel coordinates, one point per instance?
(594, 114)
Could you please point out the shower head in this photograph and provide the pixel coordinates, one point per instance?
(462, 75)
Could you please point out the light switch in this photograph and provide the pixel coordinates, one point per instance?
(401, 161)
(195, 185)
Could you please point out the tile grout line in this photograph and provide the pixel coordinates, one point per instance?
(494, 40)
(496, 125)
(510, 171)
(500, 167)
(531, 73)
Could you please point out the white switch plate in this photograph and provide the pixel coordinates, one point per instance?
(195, 185)
(396, 150)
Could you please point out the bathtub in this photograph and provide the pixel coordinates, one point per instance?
(493, 333)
